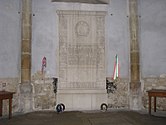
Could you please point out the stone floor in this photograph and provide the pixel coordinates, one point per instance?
(86, 118)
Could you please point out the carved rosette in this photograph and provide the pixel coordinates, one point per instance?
(82, 28)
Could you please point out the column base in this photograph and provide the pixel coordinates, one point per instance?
(26, 97)
(135, 99)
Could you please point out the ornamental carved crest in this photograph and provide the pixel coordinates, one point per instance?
(82, 28)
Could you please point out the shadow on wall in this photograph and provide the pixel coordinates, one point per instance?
(55, 81)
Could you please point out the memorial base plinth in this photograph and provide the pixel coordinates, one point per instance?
(82, 99)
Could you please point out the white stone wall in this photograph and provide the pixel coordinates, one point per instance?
(119, 99)
(11, 85)
(44, 96)
(154, 83)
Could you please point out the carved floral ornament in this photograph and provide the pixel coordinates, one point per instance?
(82, 28)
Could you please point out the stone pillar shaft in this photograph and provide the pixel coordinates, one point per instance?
(135, 85)
(134, 44)
(26, 42)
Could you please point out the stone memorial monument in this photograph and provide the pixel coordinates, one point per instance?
(82, 73)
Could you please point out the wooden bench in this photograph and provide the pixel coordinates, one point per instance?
(6, 95)
(155, 93)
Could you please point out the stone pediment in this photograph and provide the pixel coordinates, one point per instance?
(85, 1)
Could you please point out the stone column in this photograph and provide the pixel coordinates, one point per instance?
(135, 85)
(26, 42)
(25, 87)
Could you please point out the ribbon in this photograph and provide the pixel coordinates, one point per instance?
(44, 63)
(116, 68)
